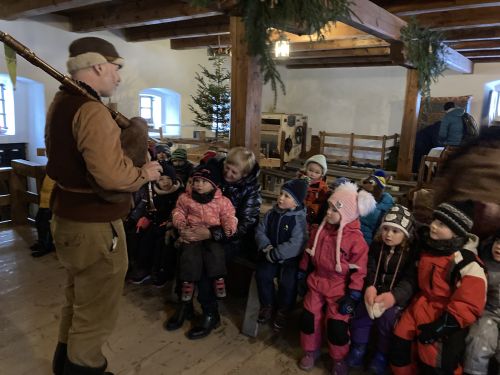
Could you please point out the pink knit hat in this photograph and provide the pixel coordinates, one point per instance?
(350, 204)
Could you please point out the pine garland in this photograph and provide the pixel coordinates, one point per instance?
(261, 15)
(213, 98)
(425, 50)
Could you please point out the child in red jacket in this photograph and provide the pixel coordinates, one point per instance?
(452, 295)
(339, 255)
(315, 169)
(203, 205)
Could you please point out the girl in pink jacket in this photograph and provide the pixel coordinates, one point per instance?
(203, 205)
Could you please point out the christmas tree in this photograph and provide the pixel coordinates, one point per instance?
(213, 98)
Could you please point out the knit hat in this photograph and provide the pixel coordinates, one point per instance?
(379, 177)
(90, 51)
(337, 182)
(168, 170)
(162, 148)
(350, 204)
(297, 188)
(318, 159)
(399, 217)
(179, 154)
(457, 216)
(207, 156)
(208, 172)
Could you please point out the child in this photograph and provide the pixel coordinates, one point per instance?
(339, 255)
(44, 244)
(315, 169)
(452, 295)
(203, 205)
(482, 340)
(376, 184)
(183, 167)
(162, 152)
(390, 284)
(280, 238)
(151, 257)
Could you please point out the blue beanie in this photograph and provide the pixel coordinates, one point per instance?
(297, 188)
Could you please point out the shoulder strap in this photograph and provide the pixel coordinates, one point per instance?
(462, 258)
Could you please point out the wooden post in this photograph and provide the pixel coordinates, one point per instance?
(409, 126)
(18, 206)
(246, 92)
(351, 149)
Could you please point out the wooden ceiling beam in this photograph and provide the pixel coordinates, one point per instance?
(477, 45)
(135, 13)
(216, 25)
(353, 52)
(335, 44)
(481, 53)
(486, 60)
(450, 20)
(413, 8)
(340, 65)
(203, 42)
(333, 60)
(475, 34)
(13, 9)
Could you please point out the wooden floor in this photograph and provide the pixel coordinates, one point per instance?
(31, 293)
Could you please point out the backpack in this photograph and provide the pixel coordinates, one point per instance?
(470, 128)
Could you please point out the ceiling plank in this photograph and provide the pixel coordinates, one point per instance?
(13, 9)
(353, 52)
(216, 25)
(356, 42)
(333, 60)
(406, 8)
(487, 60)
(203, 42)
(481, 17)
(340, 65)
(477, 45)
(482, 54)
(478, 33)
(135, 13)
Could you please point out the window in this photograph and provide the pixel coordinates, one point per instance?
(160, 107)
(7, 119)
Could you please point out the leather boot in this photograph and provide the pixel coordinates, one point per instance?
(184, 311)
(71, 368)
(60, 356)
(209, 322)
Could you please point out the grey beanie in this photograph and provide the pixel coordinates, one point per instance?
(318, 159)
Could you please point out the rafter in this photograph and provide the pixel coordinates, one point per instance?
(412, 8)
(135, 13)
(486, 60)
(481, 53)
(340, 65)
(216, 25)
(12, 9)
(334, 60)
(357, 42)
(481, 17)
(353, 52)
(475, 34)
(479, 45)
(203, 42)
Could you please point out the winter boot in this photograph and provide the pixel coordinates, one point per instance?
(187, 291)
(220, 288)
(184, 311)
(265, 314)
(210, 321)
(340, 368)
(356, 356)
(378, 365)
(309, 359)
(74, 369)
(280, 320)
(60, 357)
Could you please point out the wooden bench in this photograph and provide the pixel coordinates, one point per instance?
(351, 144)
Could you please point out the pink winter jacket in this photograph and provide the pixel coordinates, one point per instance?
(218, 212)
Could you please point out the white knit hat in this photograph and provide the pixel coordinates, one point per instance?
(350, 204)
(318, 159)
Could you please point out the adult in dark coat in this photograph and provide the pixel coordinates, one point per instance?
(240, 184)
(426, 139)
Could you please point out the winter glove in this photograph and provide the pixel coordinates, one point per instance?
(272, 256)
(347, 304)
(442, 327)
(386, 300)
(301, 283)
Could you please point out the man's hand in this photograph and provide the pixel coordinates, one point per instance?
(152, 170)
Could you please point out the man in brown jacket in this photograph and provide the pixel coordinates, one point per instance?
(83, 140)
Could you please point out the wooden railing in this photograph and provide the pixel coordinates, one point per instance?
(353, 146)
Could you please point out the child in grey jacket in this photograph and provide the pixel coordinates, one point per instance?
(281, 236)
(482, 342)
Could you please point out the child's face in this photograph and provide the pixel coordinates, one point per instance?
(286, 201)
(165, 183)
(332, 215)
(392, 236)
(495, 250)
(202, 186)
(314, 171)
(232, 173)
(440, 231)
(161, 156)
(178, 162)
(369, 185)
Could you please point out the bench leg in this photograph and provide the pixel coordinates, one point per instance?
(250, 325)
